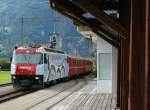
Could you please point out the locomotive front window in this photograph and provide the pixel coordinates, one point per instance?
(27, 58)
(45, 59)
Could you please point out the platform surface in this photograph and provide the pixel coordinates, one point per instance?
(79, 94)
(87, 99)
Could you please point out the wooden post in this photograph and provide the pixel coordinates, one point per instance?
(147, 57)
(124, 72)
(137, 56)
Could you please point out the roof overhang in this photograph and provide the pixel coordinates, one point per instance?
(99, 22)
(87, 33)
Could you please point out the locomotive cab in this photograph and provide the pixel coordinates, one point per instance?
(27, 68)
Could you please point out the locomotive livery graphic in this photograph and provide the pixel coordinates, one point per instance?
(36, 66)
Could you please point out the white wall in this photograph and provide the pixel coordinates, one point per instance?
(114, 70)
(103, 46)
(103, 86)
(107, 86)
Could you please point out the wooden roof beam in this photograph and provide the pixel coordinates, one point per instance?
(101, 16)
(73, 15)
(98, 27)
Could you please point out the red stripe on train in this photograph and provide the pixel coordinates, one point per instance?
(26, 51)
(26, 69)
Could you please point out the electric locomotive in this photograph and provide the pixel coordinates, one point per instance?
(33, 67)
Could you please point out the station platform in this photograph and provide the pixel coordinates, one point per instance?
(88, 98)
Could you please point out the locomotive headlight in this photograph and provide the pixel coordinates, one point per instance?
(14, 77)
(36, 78)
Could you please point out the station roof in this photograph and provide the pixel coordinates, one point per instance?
(101, 16)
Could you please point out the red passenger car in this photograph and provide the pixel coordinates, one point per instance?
(79, 66)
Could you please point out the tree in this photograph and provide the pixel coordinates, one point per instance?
(1, 47)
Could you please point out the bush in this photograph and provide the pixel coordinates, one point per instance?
(5, 64)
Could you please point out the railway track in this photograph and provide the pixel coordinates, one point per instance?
(11, 93)
(77, 89)
(52, 95)
(63, 94)
(14, 94)
(3, 85)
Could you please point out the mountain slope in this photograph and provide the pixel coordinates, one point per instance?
(32, 21)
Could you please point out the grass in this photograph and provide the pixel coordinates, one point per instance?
(5, 59)
(5, 77)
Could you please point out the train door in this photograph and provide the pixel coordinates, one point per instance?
(46, 70)
(52, 66)
(64, 68)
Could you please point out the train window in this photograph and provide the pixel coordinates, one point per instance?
(79, 63)
(45, 59)
(73, 62)
(41, 59)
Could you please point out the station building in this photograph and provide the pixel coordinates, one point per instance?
(120, 28)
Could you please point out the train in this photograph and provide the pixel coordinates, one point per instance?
(33, 67)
